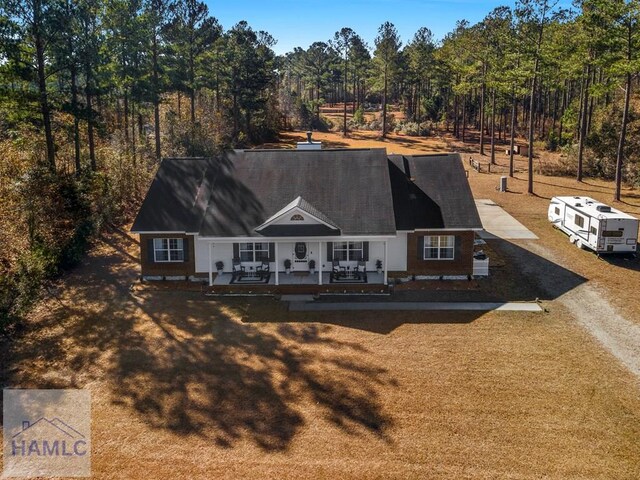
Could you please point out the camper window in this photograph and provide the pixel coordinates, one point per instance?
(594, 231)
(612, 233)
(557, 210)
(579, 220)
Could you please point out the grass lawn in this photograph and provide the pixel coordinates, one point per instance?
(189, 387)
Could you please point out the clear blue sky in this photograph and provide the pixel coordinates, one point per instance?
(302, 22)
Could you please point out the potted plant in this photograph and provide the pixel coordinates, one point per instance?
(312, 267)
(379, 265)
(220, 267)
(287, 266)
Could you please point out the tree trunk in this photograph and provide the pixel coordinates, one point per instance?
(583, 121)
(512, 133)
(126, 118)
(384, 105)
(482, 95)
(623, 134)
(192, 89)
(456, 131)
(531, 127)
(133, 132)
(89, 97)
(156, 96)
(464, 118)
(344, 96)
(42, 85)
(76, 118)
(493, 126)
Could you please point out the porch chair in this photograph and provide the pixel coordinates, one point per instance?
(337, 270)
(238, 270)
(360, 269)
(263, 269)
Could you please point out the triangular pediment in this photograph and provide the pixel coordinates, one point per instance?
(298, 217)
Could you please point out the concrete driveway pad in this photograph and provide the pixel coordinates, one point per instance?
(498, 223)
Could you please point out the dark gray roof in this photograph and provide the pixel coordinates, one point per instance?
(303, 205)
(176, 199)
(307, 207)
(357, 191)
(431, 191)
(347, 188)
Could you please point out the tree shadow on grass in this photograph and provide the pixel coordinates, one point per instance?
(191, 366)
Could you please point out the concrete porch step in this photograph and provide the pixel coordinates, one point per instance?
(297, 298)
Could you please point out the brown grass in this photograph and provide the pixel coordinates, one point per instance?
(185, 386)
(188, 387)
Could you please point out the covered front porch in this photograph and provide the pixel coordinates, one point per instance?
(294, 261)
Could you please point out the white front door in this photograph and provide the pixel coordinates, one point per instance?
(300, 257)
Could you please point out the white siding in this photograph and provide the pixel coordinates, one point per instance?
(221, 251)
(397, 251)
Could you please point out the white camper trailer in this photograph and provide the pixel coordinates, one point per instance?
(594, 225)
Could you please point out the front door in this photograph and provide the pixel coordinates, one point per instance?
(300, 257)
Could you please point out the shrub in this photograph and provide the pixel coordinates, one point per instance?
(413, 129)
(358, 116)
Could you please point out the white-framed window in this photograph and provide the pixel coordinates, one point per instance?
(168, 249)
(348, 251)
(254, 252)
(439, 247)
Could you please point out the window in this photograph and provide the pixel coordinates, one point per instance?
(168, 249)
(579, 221)
(254, 252)
(557, 210)
(594, 231)
(297, 218)
(613, 233)
(348, 251)
(439, 247)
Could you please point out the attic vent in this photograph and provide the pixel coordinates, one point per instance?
(603, 208)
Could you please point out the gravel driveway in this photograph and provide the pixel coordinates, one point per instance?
(586, 303)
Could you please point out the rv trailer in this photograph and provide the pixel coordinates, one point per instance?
(594, 225)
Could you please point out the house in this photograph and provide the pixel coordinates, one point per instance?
(345, 209)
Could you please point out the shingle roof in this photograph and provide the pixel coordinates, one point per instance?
(303, 205)
(431, 191)
(176, 199)
(359, 192)
(350, 188)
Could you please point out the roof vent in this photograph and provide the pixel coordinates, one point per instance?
(603, 208)
(578, 205)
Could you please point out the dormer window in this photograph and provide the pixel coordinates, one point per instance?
(297, 218)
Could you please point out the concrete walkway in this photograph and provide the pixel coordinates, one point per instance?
(499, 224)
(431, 306)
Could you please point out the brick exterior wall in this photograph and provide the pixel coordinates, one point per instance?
(166, 269)
(462, 264)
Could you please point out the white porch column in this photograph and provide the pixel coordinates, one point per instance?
(385, 261)
(277, 264)
(210, 267)
(319, 263)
